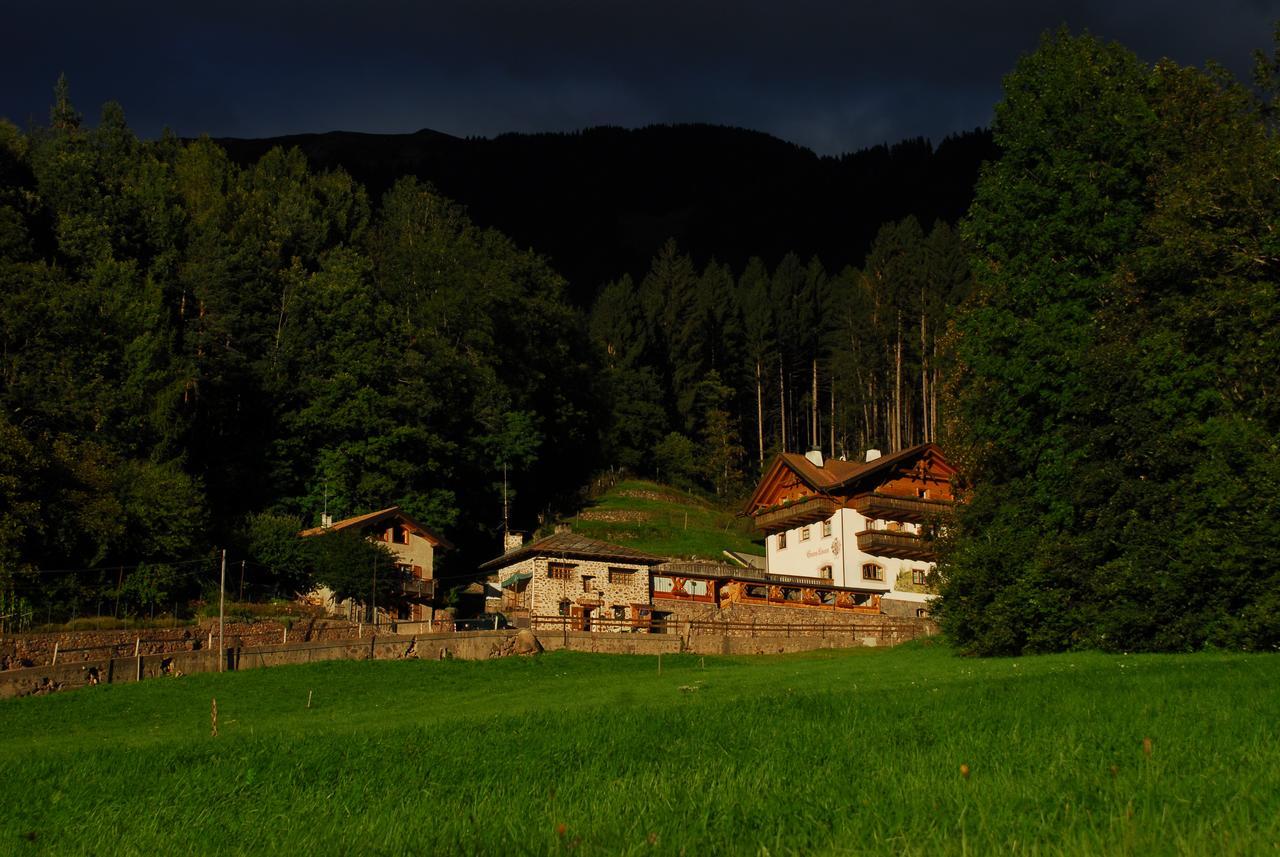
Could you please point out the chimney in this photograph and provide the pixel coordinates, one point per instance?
(564, 527)
(512, 540)
(815, 456)
(326, 520)
(872, 454)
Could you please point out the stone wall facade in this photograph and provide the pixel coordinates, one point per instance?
(589, 585)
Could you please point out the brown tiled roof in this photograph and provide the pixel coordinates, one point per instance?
(836, 473)
(377, 517)
(573, 546)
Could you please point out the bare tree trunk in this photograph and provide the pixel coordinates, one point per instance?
(896, 439)
(782, 402)
(833, 413)
(815, 442)
(924, 377)
(760, 412)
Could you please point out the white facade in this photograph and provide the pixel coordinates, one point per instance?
(829, 549)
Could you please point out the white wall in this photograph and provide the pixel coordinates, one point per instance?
(806, 558)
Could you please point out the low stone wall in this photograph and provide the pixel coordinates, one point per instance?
(467, 645)
(26, 650)
(472, 645)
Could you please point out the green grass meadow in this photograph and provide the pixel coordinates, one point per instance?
(666, 521)
(834, 752)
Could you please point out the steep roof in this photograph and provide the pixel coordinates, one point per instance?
(387, 514)
(572, 546)
(835, 475)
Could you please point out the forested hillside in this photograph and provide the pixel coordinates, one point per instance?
(185, 343)
(200, 353)
(712, 371)
(599, 202)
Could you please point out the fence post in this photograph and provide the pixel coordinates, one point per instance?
(137, 646)
(286, 636)
(55, 653)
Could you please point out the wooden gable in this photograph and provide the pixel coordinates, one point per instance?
(781, 484)
(929, 472)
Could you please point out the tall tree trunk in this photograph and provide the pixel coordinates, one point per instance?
(815, 442)
(782, 402)
(833, 413)
(926, 429)
(760, 411)
(896, 439)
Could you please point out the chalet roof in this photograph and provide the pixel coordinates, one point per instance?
(374, 518)
(572, 546)
(836, 475)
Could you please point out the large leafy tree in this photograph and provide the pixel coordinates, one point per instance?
(1111, 411)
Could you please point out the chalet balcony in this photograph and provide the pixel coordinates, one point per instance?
(894, 508)
(807, 511)
(417, 589)
(896, 544)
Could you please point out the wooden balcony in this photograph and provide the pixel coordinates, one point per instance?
(898, 545)
(894, 508)
(417, 589)
(807, 511)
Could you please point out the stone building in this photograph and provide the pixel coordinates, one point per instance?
(584, 583)
(414, 547)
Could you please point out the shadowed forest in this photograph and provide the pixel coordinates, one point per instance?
(206, 345)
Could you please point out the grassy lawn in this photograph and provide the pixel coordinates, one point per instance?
(835, 752)
(667, 522)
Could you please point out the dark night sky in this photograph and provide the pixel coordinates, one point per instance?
(834, 76)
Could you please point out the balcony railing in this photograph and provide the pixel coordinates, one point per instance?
(896, 508)
(894, 544)
(417, 588)
(797, 514)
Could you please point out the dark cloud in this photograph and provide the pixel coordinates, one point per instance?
(828, 74)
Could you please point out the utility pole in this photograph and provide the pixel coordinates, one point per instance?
(222, 594)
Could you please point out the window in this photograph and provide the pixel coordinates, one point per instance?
(782, 540)
(826, 529)
(564, 608)
(871, 571)
(917, 576)
(619, 611)
(825, 571)
(560, 571)
(621, 575)
(588, 583)
(922, 494)
(804, 534)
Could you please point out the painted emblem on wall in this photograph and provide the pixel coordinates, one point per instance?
(835, 547)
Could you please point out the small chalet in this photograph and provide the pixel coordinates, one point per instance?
(861, 532)
(414, 547)
(592, 584)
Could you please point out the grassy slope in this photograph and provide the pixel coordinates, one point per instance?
(672, 522)
(833, 752)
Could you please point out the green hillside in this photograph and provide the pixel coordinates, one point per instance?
(666, 521)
